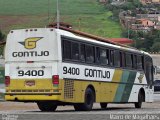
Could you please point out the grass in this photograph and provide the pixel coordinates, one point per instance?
(40, 7)
(85, 15)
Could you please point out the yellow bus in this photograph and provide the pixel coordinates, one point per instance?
(55, 67)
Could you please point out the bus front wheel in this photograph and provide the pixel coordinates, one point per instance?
(88, 103)
(140, 100)
(47, 106)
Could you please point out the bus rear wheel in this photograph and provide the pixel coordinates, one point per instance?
(88, 103)
(140, 100)
(103, 105)
(47, 106)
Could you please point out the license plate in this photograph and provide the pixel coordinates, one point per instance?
(30, 83)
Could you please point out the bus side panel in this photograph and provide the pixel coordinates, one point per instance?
(75, 91)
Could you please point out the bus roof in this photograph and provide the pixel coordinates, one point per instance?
(110, 44)
(88, 38)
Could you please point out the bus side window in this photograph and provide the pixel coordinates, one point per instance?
(90, 54)
(139, 62)
(121, 59)
(82, 53)
(107, 52)
(116, 58)
(111, 57)
(135, 61)
(103, 57)
(128, 60)
(97, 55)
(66, 49)
(75, 51)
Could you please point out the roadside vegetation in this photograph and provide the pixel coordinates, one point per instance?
(147, 41)
(85, 15)
(2, 39)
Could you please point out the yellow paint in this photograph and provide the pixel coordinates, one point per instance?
(31, 97)
(116, 78)
(44, 85)
(104, 91)
(39, 84)
(30, 43)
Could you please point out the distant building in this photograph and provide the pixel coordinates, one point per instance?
(143, 25)
(103, 1)
(146, 1)
(150, 1)
(153, 17)
(155, 1)
(157, 26)
(145, 22)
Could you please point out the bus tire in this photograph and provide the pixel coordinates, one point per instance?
(103, 105)
(88, 103)
(140, 100)
(47, 106)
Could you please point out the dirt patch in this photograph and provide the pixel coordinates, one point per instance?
(17, 22)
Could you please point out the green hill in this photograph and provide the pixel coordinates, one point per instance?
(85, 15)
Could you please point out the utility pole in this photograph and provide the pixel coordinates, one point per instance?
(48, 10)
(128, 28)
(58, 19)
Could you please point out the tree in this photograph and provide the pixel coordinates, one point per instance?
(2, 36)
(2, 39)
(155, 47)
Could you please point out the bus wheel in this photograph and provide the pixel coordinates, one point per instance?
(89, 100)
(103, 105)
(140, 100)
(47, 106)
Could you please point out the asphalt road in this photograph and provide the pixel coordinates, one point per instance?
(30, 111)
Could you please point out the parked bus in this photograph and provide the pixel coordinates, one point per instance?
(55, 67)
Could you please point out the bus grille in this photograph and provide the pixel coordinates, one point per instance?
(68, 89)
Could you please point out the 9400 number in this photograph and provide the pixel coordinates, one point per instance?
(71, 70)
(31, 73)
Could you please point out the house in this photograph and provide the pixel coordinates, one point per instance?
(140, 27)
(143, 25)
(155, 1)
(152, 17)
(118, 2)
(157, 26)
(103, 1)
(149, 1)
(146, 1)
(145, 22)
